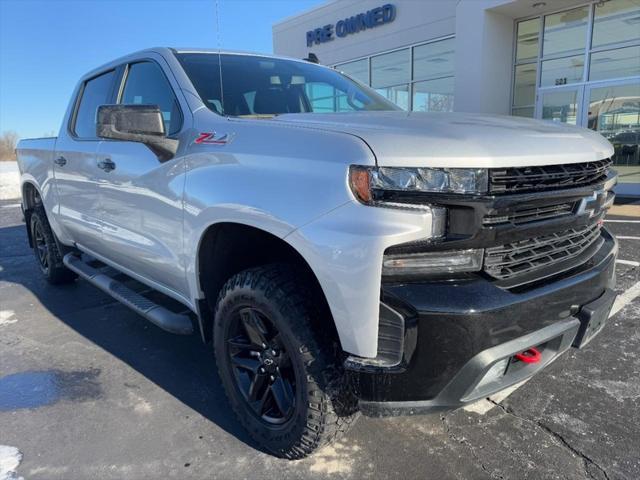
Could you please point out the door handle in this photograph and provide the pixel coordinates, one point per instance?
(107, 165)
(60, 161)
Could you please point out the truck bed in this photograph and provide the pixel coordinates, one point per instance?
(35, 158)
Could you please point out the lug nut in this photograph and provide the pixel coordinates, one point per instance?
(272, 378)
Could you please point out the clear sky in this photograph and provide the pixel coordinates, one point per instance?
(45, 46)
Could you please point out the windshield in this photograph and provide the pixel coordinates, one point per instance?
(255, 85)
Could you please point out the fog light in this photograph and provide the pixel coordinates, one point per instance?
(494, 374)
(432, 262)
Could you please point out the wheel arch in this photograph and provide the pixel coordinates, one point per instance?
(30, 198)
(227, 248)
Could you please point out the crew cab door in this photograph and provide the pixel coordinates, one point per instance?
(140, 196)
(75, 164)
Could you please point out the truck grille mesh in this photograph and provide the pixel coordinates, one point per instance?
(548, 177)
(526, 215)
(526, 256)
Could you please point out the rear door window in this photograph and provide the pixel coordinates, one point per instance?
(95, 92)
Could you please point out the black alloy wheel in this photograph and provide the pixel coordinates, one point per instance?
(261, 366)
(280, 367)
(46, 248)
(41, 248)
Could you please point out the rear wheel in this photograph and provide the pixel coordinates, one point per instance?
(283, 379)
(46, 249)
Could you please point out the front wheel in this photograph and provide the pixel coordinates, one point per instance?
(283, 380)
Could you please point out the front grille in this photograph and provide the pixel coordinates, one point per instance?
(527, 215)
(548, 177)
(526, 256)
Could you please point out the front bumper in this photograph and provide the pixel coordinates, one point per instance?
(456, 330)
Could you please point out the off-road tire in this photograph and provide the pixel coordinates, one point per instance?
(46, 249)
(325, 406)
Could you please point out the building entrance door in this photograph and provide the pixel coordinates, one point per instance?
(560, 104)
(613, 109)
(610, 108)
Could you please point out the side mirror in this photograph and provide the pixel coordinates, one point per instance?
(136, 123)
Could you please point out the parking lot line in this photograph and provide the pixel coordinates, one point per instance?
(622, 221)
(625, 237)
(628, 262)
(625, 297)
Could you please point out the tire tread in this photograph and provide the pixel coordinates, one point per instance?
(331, 409)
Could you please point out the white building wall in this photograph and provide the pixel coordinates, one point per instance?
(416, 21)
(484, 31)
(484, 58)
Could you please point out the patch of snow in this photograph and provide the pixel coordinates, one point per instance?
(6, 317)
(334, 459)
(10, 458)
(9, 181)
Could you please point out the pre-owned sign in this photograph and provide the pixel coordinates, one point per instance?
(354, 24)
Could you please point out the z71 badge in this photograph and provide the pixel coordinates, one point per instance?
(209, 138)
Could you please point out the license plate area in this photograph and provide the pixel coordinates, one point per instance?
(593, 317)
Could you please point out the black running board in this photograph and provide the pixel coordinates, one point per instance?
(178, 323)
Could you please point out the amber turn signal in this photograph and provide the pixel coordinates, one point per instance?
(360, 182)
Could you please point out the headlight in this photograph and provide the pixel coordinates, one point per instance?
(367, 181)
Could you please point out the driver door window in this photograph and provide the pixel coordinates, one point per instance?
(146, 84)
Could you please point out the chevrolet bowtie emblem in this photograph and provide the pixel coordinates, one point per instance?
(592, 204)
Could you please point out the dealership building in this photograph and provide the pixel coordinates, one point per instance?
(566, 61)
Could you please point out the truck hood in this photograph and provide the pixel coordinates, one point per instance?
(461, 140)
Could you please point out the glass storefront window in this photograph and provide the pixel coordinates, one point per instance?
(616, 21)
(527, 41)
(433, 95)
(432, 65)
(562, 71)
(614, 111)
(524, 88)
(604, 94)
(560, 106)
(391, 68)
(433, 60)
(565, 32)
(358, 70)
(623, 62)
(398, 94)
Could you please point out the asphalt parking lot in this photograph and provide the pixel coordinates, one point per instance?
(90, 390)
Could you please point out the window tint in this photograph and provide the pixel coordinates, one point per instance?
(527, 42)
(434, 60)
(433, 95)
(524, 88)
(391, 68)
(623, 62)
(616, 21)
(565, 32)
(255, 85)
(96, 92)
(358, 70)
(147, 85)
(398, 94)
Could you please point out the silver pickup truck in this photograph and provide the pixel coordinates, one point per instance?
(340, 255)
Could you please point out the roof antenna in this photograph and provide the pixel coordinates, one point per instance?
(219, 58)
(312, 57)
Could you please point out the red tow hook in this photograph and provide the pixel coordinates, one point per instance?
(531, 355)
